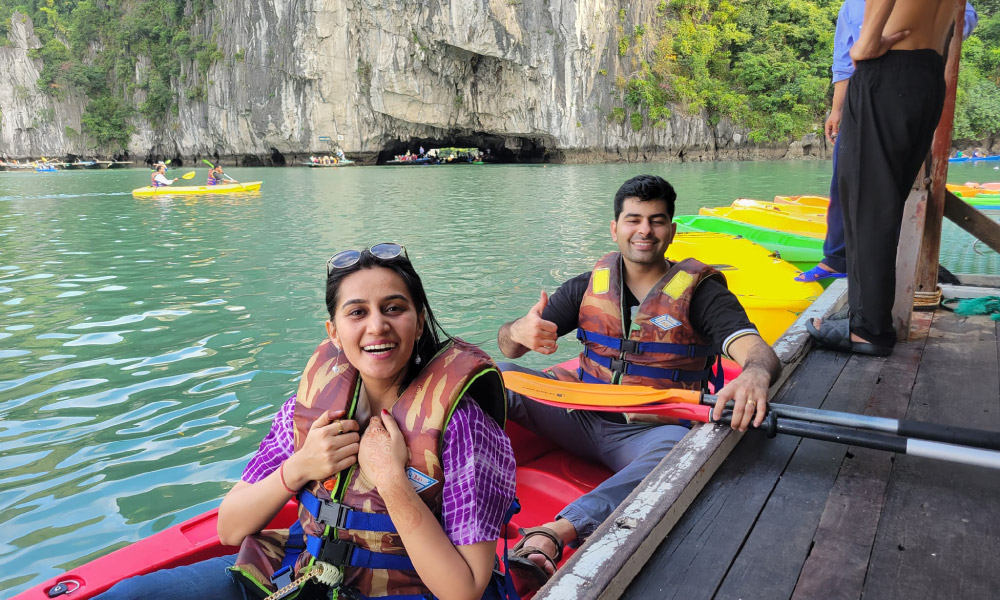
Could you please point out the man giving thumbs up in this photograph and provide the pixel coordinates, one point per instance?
(643, 321)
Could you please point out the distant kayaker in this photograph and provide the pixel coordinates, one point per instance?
(159, 177)
(893, 104)
(217, 177)
(394, 443)
(643, 321)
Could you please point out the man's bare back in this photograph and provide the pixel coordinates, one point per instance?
(929, 22)
(904, 25)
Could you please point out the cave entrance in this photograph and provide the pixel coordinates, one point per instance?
(494, 148)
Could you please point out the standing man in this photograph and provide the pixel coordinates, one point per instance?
(669, 339)
(834, 263)
(893, 105)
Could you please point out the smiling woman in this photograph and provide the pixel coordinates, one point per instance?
(391, 417)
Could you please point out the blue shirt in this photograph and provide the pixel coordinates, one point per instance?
(849, 29)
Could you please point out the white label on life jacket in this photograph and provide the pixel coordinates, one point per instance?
(418, 480)
(665, 322)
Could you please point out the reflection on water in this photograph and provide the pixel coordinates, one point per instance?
(144, 344)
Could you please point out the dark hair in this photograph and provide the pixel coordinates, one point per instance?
(433, 337)
(645, 188)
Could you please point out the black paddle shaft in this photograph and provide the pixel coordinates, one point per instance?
(964, 436)
(774, 425)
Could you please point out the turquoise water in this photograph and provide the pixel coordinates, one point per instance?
(145, 343)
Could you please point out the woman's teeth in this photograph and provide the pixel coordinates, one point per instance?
(378, 348)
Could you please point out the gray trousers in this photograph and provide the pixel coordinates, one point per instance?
(631, 450)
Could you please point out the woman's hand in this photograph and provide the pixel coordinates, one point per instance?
(331, 446)
(383, 453)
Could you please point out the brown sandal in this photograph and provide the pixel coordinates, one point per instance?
(518, 559)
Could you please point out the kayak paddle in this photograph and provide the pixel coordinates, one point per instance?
(188, 175)
(633, 398)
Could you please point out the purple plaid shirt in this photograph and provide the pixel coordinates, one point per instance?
(478, 470)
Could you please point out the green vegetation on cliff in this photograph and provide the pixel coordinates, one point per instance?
(766, 66)
(122, 54)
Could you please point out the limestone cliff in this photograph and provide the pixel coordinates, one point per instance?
(531, 79)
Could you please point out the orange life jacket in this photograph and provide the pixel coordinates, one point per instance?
(661, 349)
(343, 518)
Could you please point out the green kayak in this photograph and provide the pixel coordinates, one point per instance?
(990, 200)
(803, 252)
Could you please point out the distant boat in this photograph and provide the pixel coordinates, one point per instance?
(973, 158)
(343, 163)
(119, 164)
(82, 164)
(426, 160)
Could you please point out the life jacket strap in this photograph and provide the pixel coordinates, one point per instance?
(293, 548)
(343, 553)
(624, 367)
(334, 514)
(636, 347)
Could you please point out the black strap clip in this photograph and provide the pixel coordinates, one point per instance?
(333, 514)
(337, 552)
(631, 347)
(618, 366)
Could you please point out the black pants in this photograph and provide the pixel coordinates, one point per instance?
(892, 108)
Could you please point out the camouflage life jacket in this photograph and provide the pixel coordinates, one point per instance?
(343, 521)
(661, 349)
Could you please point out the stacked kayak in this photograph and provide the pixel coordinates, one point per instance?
(805, 224)
(197, 190)
(764, 283)
(801, 251)
(817, 201)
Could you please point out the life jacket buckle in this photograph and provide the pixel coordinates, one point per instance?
(631, 346)
(618, 365)
(333, 514)
(337, 552)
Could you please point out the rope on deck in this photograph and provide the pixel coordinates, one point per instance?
(927, 300)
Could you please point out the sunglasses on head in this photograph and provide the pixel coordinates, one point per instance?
(349, 258)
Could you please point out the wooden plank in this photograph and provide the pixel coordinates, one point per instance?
(972, 220)
(764, 570)
(907, 258)
(607, 561)
(939, 536)
(967, 291)
(693, 561)
(926, 275)
(992, 281)
(838, 561)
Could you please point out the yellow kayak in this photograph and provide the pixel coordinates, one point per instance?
(813, 226)
(810, 212)
(817, 201)
(765, 285)
(173, 190)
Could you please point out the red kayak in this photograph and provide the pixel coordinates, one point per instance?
(548, 478)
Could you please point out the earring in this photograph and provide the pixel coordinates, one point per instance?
(416, 360)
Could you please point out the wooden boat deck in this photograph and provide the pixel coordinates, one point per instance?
(794, 518)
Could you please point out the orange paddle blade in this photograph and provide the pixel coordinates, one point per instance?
(595, 395)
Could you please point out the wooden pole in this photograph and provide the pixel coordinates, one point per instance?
(930, 247)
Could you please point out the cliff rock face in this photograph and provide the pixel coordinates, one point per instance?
(532, 79)
(33, 124)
